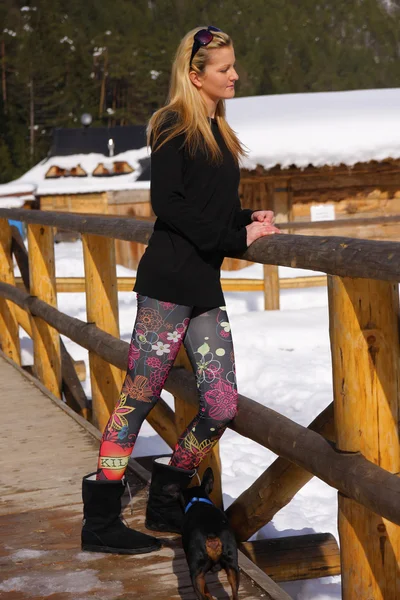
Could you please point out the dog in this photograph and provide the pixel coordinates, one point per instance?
(207, 539)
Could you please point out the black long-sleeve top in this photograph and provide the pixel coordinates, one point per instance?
(199, 222)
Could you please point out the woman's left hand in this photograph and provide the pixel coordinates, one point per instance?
(263, 215)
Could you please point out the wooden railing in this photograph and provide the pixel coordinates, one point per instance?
(353, 445)
(75, 285)
(270, 283)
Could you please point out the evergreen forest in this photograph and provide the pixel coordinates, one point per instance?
(112, 58)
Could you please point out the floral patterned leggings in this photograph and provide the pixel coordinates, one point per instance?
(159, 330)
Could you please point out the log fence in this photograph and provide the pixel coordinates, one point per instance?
(353, 445)
(229, 284)
(270, 284)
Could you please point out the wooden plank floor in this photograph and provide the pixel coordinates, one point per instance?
(44, 453)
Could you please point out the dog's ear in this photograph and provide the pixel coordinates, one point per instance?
(208, 481)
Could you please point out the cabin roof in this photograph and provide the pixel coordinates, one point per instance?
(324, 128)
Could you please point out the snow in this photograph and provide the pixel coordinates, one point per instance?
(89, 556)
(34, 179)
(39, 584)
(324, 128)
(282, 360)
(15, 201)
(16, 193)
(27, 553)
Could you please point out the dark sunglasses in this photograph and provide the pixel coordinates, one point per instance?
(202, 38)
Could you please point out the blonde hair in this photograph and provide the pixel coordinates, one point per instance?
(187, 108)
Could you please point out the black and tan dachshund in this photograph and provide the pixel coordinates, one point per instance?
(207, 539)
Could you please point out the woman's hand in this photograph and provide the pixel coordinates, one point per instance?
(256, 230)
(263, 216)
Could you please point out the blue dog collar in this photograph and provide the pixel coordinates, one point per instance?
(194, 500)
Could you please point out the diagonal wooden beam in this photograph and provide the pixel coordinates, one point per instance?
(275, 488)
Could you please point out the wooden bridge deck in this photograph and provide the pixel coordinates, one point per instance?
(44, 453)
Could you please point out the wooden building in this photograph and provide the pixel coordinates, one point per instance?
(369, 189)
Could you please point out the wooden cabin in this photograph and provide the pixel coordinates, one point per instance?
(365, 190)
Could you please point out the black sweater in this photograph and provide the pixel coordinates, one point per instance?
(199, 222)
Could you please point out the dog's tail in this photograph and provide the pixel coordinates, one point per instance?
(213, 547)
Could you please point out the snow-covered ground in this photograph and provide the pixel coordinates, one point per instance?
(282, 361)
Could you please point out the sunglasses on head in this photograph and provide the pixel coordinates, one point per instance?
(202, 38)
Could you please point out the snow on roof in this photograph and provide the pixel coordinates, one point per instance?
(15, 201)
(15, 188)
(34, 179)
(324, 128)
(327, 128)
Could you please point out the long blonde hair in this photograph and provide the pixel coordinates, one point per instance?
(187, 108)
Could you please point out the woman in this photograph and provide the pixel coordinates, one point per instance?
(194, 193)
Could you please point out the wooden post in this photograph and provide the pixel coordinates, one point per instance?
(46, 339)
(9, 334)
(281, 194)
(271, 287)
(365, 354)
(102, 309)
(282, 200)
(184, 413)
(24, 319)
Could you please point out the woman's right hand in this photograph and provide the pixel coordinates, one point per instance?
(259, 229)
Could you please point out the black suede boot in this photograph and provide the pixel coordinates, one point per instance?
(103, 529)
(164, 507)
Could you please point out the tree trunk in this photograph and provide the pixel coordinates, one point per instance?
(3, 76)
(31, 119)
(103, 84)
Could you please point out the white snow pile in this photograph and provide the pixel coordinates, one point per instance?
(40, 585)
(324, 128)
